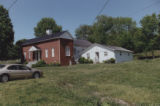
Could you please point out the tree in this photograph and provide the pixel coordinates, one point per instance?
(44, 24)
(18, 49)
(6, 33)
(150, 29)
(138, 39)
(113, 31)
(83, 32)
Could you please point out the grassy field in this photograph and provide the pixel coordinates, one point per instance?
(134, 82)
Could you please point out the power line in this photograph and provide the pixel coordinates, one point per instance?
(106, 3)
(13, 3)
(149, 6)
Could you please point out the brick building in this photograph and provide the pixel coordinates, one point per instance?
(52, 48)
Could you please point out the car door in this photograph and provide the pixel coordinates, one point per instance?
(14, 72)
(25, 71)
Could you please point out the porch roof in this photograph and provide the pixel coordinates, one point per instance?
(34, 48)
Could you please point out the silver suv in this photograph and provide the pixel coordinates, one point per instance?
(16, 71)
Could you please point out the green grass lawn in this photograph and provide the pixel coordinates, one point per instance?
(134, 82)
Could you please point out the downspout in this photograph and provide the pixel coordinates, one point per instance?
(59, 51)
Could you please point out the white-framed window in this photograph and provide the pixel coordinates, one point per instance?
(88, 55)
(128, 54)
(24, 55)
(52, 52)
(29, 54)
(46, 53)
(105, 53)
(67, 50)
(120, 53)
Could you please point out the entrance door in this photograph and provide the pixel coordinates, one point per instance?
(97, 57)
(36, 56)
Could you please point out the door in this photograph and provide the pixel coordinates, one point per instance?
(97, 57)
(36, 55)
(25, 71)
(14, 72)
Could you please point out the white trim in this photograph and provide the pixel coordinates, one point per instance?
(67, 51)
(60, 51)
(46, 53)
(25, 55)
(29, 55)
(33, 48)
(53, 52)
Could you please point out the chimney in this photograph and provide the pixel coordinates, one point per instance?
(48, 31)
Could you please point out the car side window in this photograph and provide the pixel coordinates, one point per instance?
(22, 67)
(13, 67)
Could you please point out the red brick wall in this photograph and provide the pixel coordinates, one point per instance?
(65, 60)
(45, 45)
(59, 48)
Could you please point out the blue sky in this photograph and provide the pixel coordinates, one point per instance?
(70, 14)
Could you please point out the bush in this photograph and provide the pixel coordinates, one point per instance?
(82, 60)
(110, 61)
(43, 64)
(55, 64)
(25, 62)
(40, 63)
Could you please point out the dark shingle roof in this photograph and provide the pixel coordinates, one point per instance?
(44, 38)
(82, 43)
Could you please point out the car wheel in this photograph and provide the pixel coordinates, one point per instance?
(36, 75)
(4, 78)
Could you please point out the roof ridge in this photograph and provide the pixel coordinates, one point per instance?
(44, 37)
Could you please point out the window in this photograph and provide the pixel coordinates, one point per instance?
(24, 55)
(67, 50)
(46, 53)
(128, 54)
(105, 53)
(52, 52)
(20, 67)
(29, 55)
(2, 66)
(120, 53)
(88, 56)
(13, 67)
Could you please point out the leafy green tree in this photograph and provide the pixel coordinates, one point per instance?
(150, 29)
(83, 32)
(113, 31)
(44, 24)
(6, 34)
(138, 40)
(18, 49)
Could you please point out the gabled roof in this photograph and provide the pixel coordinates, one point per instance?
(82, 43)
(47, 37)
(111, 48)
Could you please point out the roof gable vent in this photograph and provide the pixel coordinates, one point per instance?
(49, 32)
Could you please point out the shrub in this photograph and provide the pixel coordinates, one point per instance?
(40, 63)
(25, 62)
(82, 60)
(110, 61)
(55, 64)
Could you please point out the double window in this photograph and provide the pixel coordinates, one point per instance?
(24, 55)
(29, 55)
(46, 53)
(105, 53)
(88, 55)
(67, 50)
(52, 52)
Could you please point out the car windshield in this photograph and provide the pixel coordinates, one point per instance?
(2, 66)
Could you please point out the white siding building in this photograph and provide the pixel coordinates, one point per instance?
(99, 53)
